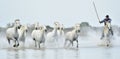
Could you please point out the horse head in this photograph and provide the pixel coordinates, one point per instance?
(43, 28)
(24, 28)
(77, 28)
(37, 25)
(57, 25)
(61, 29)
(17, 23)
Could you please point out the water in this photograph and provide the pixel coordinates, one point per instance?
(88, 49)
(61, 53)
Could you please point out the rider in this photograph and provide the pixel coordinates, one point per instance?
(107, 19)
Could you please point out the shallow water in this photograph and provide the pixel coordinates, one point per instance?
(88, 49)
(62, 53)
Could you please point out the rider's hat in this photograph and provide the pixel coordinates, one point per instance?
(107, 16)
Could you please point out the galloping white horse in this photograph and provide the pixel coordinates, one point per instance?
(53, 35)
(39, 35)
(52, 38)
(12, 33)
(22, 33)
(107, 34)
(73, 35)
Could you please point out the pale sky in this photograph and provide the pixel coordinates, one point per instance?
(67, 12)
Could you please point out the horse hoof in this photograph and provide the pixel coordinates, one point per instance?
(14, 45)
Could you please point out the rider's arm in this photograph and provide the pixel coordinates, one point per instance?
(109, 20)
(102, 21)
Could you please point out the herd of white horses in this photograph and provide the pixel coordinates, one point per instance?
(40, 35)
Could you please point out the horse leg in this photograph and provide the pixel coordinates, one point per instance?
(14, 41)
(65, 42)
(35, 42)
(102, 35)
(77, 43)
(8, 40)
(108, 43)
(71, 42)
(14, 44)
(43, 43)
(39, 44)
(17, 41)
(24, 43)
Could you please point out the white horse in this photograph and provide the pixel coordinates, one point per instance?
(107, 34)
(53, 35)
(60, 31)
(39, 35)
(60, 36)
(12, 33)
(72, 35)
(22, 33)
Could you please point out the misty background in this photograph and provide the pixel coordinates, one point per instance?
(67, 12)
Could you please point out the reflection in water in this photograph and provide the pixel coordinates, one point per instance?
(81, 53)
(15, 54)
(107, 53)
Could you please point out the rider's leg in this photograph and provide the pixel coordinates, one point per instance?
(111, 31)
